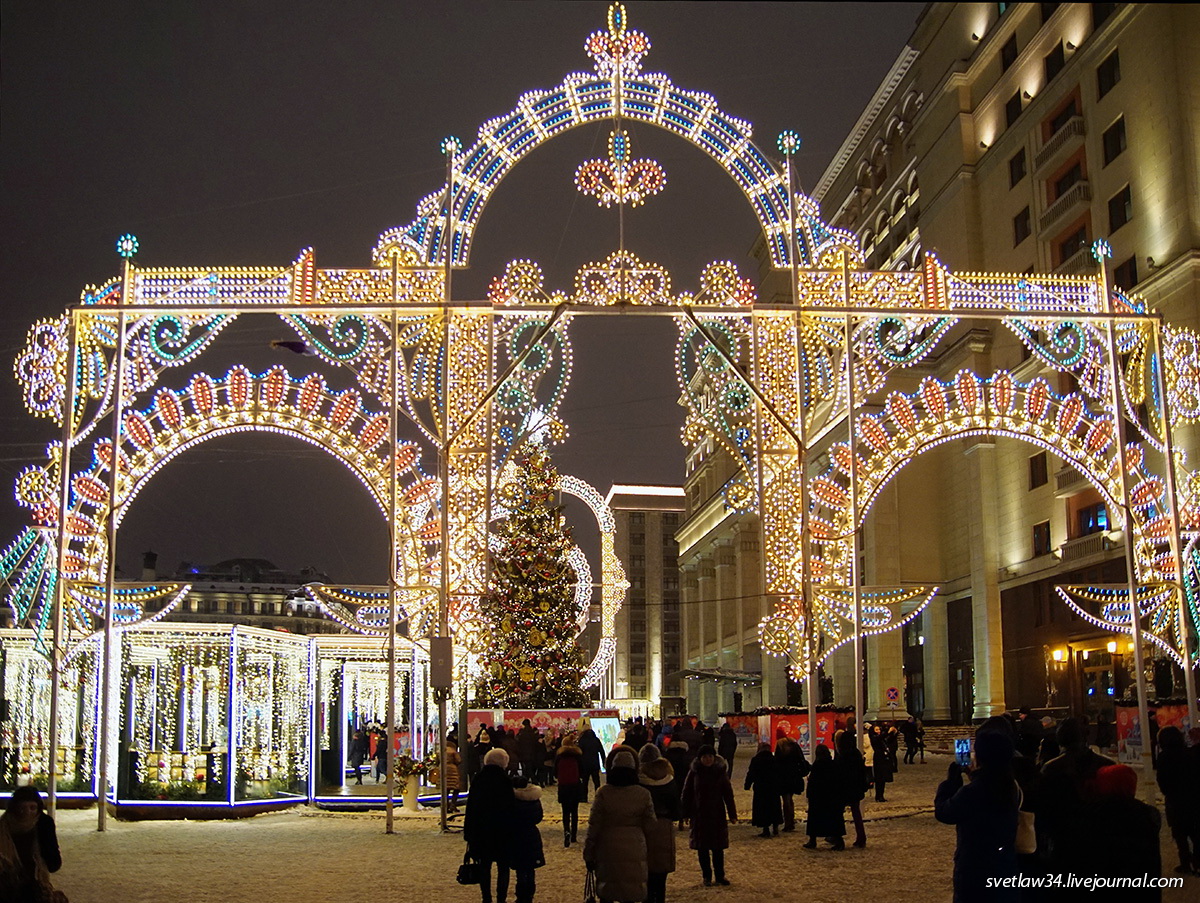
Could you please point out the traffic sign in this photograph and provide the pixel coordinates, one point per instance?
(893, 697)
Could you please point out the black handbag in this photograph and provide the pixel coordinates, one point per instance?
(469, 872)
(589, 887)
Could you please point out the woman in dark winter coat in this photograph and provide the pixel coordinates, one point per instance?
(883, 770)
(525, 850)
(826, 800)
(984, 812)
(792, 768)
(762, 776)
(680, 758)
(852, 775)
(619, 827)
(657, 776)
(707, 799)
(490, 822)
(1179, 781)
(569, 776)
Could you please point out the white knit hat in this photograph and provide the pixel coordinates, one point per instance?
(496, 756)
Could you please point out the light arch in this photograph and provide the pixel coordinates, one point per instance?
(274, 401)
(617, 89)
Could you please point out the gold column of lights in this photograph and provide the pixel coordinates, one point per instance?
(447, 357)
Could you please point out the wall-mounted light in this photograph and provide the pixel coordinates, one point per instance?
(1085, 655)
(1070, 46)
(974, 37)
(1027, 95)
(1151, 264)
(983, 145)
(1112, 647)
(1130, 647)
(1058, 655)
(921, 640)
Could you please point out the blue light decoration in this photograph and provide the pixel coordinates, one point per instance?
(788, 142)
(1101, 249)
(127, 245)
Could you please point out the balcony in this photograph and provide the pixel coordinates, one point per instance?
(1061, 144)
(1078, 263)
(1071, 202)
(1069, 481)
(1087, 546)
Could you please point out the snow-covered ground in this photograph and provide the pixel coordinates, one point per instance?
(310, 855)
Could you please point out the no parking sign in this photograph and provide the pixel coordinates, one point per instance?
(893, 697)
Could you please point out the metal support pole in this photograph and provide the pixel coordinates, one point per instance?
(1186, 635)
(855, 526)
(390, 727)
(114, 469)
(1135, 613)
(811, 636)
(60, 594)
(449, 147)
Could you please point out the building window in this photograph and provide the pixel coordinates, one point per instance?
(1038, 470)
(1008, 53)
(1114, 141)
(638, 648)
(1021, 227)
(1068, 112)
(1126, 275)
(1093, 519)
(637, 539)
(1054, 61)
(1072, 244)
(637, 517)
(670, 520)
(1064, 182)
(1108, 74)
(1101, 12)
(1120, 209)
(1048, 10)
(1012, 109)
(637, 561)
(1041, 538)
(1016, 168)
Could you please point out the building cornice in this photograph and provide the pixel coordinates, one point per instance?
(866, 122)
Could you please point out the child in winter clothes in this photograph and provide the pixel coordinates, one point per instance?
(525, 851)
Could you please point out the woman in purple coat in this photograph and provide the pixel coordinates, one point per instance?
(707, 798)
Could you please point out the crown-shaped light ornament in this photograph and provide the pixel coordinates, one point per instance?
(619, 179)
(618, 49)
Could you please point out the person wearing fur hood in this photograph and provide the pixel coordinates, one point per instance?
(619, 828)
(707, 799)
(525, 852)
(657, 776)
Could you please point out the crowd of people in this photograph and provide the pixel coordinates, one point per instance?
(1037, 805)
(660, 779)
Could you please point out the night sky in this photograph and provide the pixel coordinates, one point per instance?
(225, 133)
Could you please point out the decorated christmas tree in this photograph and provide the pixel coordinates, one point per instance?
(532, 658)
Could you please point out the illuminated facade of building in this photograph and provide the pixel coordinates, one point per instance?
(1005, 137)
(649, 622)
(1009, 137)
